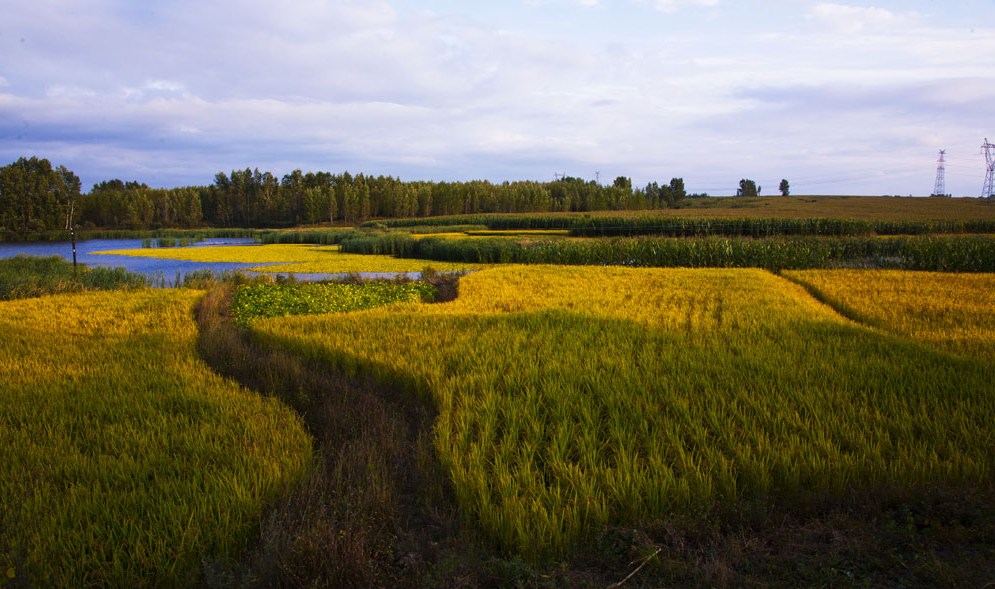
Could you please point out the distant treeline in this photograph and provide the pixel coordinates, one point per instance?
(36, 197)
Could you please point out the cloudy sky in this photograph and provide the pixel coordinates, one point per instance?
(837, 97)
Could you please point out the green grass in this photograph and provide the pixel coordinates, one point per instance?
(28, 276)
(124, 461)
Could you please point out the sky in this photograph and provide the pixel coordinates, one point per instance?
(836, 97)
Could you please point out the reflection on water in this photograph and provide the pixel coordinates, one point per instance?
(163, 272)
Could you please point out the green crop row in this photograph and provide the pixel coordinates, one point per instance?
(669, 226)
(253, 301)
(938, 253)
(603, 226)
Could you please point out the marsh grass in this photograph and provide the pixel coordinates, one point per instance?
(124, 461)
(28, 276)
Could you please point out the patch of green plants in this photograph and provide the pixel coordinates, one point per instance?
(254, 301)
(31, 276)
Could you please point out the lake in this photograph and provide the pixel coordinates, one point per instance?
(161, 271)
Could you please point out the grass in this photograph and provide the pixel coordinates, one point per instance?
(293, 258)
(572, 400)
(124, 461)
(28, 276)
(952, 312)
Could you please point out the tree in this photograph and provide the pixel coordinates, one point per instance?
(747, 187)
(784, 187)
(677, 191)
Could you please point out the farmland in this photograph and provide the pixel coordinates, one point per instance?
(570, 399)
(769, 403)
(125, 460)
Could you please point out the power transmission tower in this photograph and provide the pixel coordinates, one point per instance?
(989, 190)
(939, 189)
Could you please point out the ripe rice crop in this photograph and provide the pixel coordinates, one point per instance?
(954, 312)
(292, 258)
(124, 461)
(572, 398)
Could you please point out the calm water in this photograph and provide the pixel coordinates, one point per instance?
(161, 271)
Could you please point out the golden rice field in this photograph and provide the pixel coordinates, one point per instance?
(293, 258)
(124, 460)
(953, 312)
(575, 397)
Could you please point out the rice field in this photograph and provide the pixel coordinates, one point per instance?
(294, 258)
(573, 398)
(124, 461)
(952, 312)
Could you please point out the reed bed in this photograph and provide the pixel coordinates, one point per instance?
(124, 461)
(294, 258)
(571, 399)
(953, 312)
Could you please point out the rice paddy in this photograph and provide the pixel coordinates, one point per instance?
(575, 398)
(124, 461)
(953, 312)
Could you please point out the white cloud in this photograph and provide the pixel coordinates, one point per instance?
(854, 19)
(675, 5)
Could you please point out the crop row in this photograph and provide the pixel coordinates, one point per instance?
(666, 226)
(938, 253)
(575, 398)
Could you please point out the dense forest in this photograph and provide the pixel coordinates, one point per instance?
(37, 197)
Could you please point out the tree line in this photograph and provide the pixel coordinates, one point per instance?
(37, 197)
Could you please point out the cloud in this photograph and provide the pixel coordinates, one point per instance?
(178, 90)
(675, 5)
(854, 19)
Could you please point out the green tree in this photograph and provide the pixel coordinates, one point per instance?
(784, 187)
(677, 191)
(747, 187)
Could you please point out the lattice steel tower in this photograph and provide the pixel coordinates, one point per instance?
(989, 190)
(939, 188)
